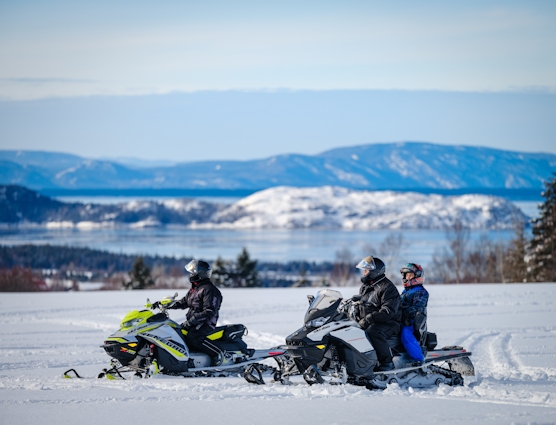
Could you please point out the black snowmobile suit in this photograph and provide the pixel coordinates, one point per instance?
(203, 300)
(380, 307)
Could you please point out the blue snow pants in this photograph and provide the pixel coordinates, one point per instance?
(411, 344)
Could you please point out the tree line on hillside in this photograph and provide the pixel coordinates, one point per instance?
(522, 259)
(63, 263)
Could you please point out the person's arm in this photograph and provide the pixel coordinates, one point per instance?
(389, 306)
(180, 305)
(419, 301)
(211, 305)
(390, 302)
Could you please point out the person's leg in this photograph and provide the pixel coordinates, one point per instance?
(197, 339)
(411, 344)
(378, 335)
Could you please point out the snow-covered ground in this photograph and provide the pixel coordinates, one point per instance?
(511, 330)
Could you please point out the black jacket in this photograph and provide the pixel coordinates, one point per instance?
(381, 301)
(203, 300)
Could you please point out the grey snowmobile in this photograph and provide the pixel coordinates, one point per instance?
(147, 344)
(332, 347)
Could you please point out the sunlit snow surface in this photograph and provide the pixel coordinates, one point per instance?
(511, 330)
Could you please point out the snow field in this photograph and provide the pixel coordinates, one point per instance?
(511, 330)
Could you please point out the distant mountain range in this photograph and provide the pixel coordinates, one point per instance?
(275, 208)
(397, 166)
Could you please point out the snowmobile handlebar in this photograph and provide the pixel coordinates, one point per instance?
(164, 304)
(350, 307)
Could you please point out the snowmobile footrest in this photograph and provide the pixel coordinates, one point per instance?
(253, 375)
(313, 376)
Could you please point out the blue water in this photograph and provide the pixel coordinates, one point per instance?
(265, 245)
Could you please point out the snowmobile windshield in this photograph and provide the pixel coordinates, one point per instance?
(321, 304)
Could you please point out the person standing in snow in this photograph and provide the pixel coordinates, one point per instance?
(379, 313)
(203, 300)
(414, 302)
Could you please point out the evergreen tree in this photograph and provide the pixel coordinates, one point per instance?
(542, 261)
(302, 280)
(247, 270)
(223, 273)
(140, 276)
(239, 274)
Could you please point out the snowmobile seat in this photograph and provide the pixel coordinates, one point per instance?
(227, 333)
(430, 341)
(420, 328)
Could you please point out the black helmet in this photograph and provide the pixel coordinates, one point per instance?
(375, 266)
(199, 270)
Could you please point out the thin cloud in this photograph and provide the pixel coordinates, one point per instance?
(46, 80)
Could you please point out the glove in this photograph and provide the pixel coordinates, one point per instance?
(191, 323)
(156, 304)
(406, 321)
(366, 321)
(357, 311)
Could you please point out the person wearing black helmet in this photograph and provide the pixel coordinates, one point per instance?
(203, 300)
(414, 302)
(379, 313)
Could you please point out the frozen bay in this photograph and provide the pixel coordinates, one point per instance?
(262, 244)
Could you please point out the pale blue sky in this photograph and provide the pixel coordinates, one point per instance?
(69, 48)
(60, 49)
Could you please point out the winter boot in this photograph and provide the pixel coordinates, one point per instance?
(385, 367)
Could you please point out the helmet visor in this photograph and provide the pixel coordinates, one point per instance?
(367, 263)
(191, 267)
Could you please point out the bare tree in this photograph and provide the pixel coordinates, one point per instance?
(344, 267)
(441, 269)
(515, 256)
(458, 240)
(390, 251)
(478, 261)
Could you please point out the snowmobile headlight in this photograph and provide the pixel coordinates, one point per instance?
(131, 323)
(317, 323)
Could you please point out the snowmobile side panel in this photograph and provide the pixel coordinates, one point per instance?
(354, 336)
(171, 364)
(357, 364)
(319, 333)
(168, 339)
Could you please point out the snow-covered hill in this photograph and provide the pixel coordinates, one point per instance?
(341, 208)
(404, 165)
(276, 208)
(510, 330)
